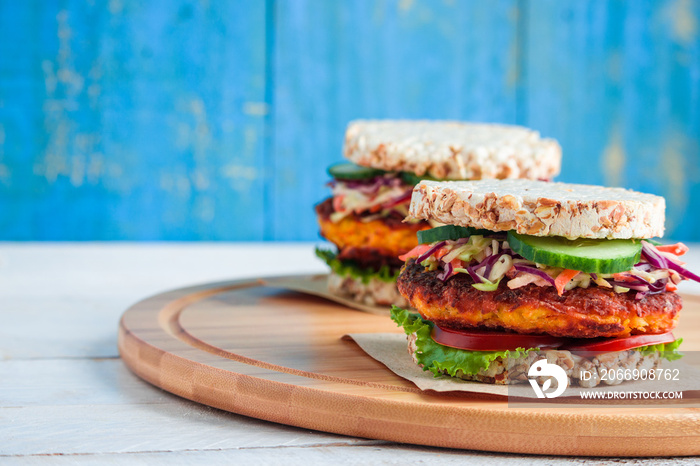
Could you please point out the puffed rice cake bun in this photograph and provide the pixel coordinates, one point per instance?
(509, 370)
(541, 208)
(452, 150)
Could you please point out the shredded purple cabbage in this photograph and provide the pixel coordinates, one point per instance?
(398, 200)
(430, 252)
(446, 272)
(535, 271)
(372, 185)
(652, 256)
(657, 260)
(631, 285)
(682, 271)
(475, 276)
(643, 266)
(652, 261)
(489, 262)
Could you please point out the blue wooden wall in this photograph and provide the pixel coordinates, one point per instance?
(215, 120)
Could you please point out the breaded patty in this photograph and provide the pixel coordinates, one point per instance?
(385, 236)
(369, 258)
(579, 313)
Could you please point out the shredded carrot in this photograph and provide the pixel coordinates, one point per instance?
(624, 278)
(338, 203)
(456, 263)
(564, 277)
(671, 287)
(415, 252)
(678, 249)
(440, 252)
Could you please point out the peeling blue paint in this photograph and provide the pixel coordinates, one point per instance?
(192, 120)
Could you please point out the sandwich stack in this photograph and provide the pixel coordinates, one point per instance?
(523, 270)
(365, 216)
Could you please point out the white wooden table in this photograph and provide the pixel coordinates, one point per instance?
(66, 397)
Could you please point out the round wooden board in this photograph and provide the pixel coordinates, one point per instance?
(280, 356)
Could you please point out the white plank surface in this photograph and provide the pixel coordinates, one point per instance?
(336, 455)
(66, 398)
(84, 406)
(168, 426)
(61, 300)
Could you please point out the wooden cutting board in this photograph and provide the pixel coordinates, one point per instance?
(279, 356)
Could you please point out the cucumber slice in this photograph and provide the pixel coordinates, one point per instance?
(451, 232)
(350, 171)
(585, 255)
(413, 179)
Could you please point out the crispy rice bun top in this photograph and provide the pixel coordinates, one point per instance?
(540, 208)
(452, 150)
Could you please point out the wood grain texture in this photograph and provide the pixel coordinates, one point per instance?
(279, 356)
(66, 397)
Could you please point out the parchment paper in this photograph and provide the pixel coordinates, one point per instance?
(317, 285)
(391, 350)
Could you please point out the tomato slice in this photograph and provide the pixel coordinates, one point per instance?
(607, 345)
(481, 340)
(484, 340)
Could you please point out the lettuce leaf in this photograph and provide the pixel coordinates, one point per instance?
(440, 359)
(345, 268)
(668, 351)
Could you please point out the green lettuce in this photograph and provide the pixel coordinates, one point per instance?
(668, 351)
(345, 268)
(440, 359)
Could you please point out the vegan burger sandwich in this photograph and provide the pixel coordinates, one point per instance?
(523, 269)
(364, 217)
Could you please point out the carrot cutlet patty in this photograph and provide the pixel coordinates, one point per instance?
(579, 313)
(387, 236)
